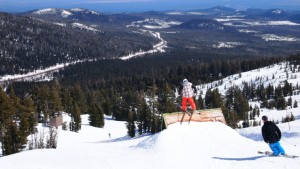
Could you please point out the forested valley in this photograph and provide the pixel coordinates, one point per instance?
(138, 90)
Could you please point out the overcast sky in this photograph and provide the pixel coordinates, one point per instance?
(143, 5)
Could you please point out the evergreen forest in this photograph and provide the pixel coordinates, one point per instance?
(137, 90)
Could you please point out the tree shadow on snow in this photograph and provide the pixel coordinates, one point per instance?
(253, 136)
(124, 138)
(258, 137)
(290, 134)
(240, 159)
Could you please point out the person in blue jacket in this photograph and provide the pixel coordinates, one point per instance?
(272, 135)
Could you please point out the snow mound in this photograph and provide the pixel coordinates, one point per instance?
(206, 145)
(197, 137)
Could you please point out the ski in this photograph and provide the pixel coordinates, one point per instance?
(188, 111)
(191, 116)
(182, 118)
(270, 154)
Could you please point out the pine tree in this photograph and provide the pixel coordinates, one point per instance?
(261, 92)
(281, 103)
(27, 120)
(55, 104)
(51, 141)
(295, 104)
(270, 91)
(131, 123)
(230, 116)
(93, 112)
(119, 107)
(264, 102)
(75, 124)
(31, 115)
(42, 102)
(208, 99)
(292, 118)
(278, 93)
(166, 99)
(17, 121)
(287, 89)
(155, 124)
(79, 96)
(7, 124)
(201, 104)
(96, 116)
(246, 90)
(153, 106)
(216, 99)
(241, 106)
(251, 115)
(290, 101)
(236, 106)
(19, 128)
(143, 117)
(67, 100)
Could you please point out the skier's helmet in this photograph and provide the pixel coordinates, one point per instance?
(264, 118)
(184, 80)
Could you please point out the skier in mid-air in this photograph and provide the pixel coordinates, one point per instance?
(187, 95)
(272, 134)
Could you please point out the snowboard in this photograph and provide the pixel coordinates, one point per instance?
(268, 153)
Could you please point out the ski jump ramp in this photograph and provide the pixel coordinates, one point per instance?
(206, 115)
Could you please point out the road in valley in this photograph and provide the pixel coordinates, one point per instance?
(43, 75)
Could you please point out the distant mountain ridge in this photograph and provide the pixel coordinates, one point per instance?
(203, 24)
(27, 44)
(63, 12)
(91, 16)
(67, 14)
(215, 10)
(80, 14)
(277, 14)
(79, 33)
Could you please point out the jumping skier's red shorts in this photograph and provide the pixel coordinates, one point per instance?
(191, 102)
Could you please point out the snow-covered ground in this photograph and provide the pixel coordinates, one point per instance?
(207, 145)
(227, 44)
(195, 145)
(275, 74)
(151, 23)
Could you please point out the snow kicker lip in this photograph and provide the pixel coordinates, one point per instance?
(207, 115)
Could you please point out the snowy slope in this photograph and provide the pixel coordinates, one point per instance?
(198, 145)
(195, 145)
(275, 74)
